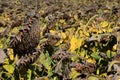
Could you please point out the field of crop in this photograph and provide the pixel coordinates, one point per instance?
(79, 40)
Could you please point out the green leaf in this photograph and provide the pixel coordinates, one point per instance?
(29, 74)
(74, 73)
(98, 71)
(46, 60)
(50, 72)
(95, 56)
(55, 78)
(9, 68)
(93, 78)
(42, 58)
(109, 54)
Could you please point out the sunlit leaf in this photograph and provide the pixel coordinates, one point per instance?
(103, 74)
(6, 61)
(75, 43)
(104, 30)
(50, 72)
(104, 24)
(83, 53)
(45, 60)
(90, 60)
(11, 55)
(110, 30)
(87, 34)
(93, 78)
(115, 47)
(1, 45)
(63, 36)
(10, 68)
(98, 71)
(55, 78)
(74, 73)
(81, 26)
(109, 53)
(52, 31)
(29, 74)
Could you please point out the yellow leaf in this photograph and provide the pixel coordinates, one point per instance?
(62, 21)
(104, 24)
(90, 60)
(103, 74)
(74, 73)
(15, 30)
(11, 54)
(86, 34)
(93, 78)
(108, 53)
(82, 54)
(110, 30)
(104, 30)
(76, 17)
(74, 58)
(99, 31)
(63, 35)
(1, 45)
(9, 68)
(53, 32)
(93, 30)
(87, 56)
(46, 78)
(115, 47)
(75, 43)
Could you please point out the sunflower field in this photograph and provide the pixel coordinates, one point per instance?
(79, 40)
